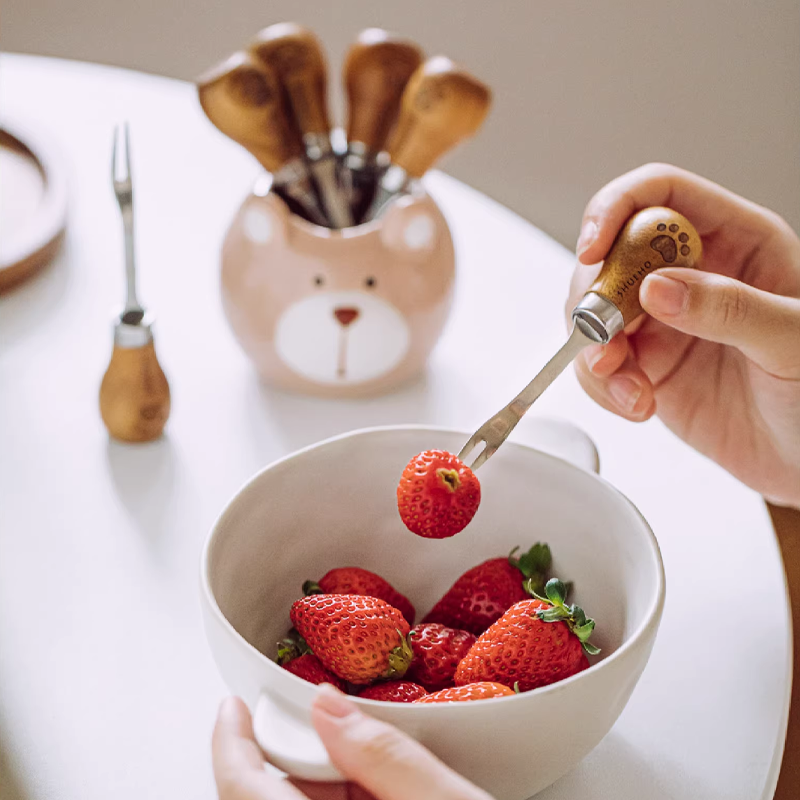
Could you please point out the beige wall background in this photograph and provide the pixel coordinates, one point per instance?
(583, 90)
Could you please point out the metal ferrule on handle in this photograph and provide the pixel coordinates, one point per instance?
(394, 181)
(359, 157)
(598, 318)
(130, 336)
(317, 146)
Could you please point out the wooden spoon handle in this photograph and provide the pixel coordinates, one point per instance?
(652, 238)
(441, 106)
(243, 99)
(296, 56)
(376, 70)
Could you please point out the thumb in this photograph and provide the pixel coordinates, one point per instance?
(764, 327)
(382, 759)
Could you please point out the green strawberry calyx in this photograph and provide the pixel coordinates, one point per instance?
(399, 658)
(292, 646)
(535, 567)
(573, 615)
(312, 587)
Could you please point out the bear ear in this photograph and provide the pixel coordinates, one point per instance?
(412, 226)
(264, 219)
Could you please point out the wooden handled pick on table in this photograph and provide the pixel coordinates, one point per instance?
(441, 106)
(134, 394)
(652, 238)
(376, 69)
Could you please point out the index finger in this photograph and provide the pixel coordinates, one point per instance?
(238, 762)
(708, 206)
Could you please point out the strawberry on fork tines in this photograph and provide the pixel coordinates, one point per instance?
(438, 495)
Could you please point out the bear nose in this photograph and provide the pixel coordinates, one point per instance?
(346, 316)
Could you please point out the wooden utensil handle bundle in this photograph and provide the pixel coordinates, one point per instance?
(271, 98)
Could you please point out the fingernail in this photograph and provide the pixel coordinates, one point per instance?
(625, 392)
(587, 237)
(333, 702)
(665, 295)
(593, 354)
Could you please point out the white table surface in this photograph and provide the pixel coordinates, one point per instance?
(107, 686)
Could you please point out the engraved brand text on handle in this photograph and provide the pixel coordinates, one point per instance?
(633, 279)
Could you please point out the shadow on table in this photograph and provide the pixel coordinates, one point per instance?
(11, 787)
(599, 777)
(439, 396)
(300, 420)
(143, 476)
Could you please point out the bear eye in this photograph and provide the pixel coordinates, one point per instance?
(370, 282)
(319, 280)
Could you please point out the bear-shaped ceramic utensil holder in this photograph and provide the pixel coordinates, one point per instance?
(337, 313)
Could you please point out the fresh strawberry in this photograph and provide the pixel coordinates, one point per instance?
(309, 668)
(357, 638)
(394, 692)
(437, 651)
(437, 495)
(535, 643)
(481, 690)
(484, 593)
(354, 580)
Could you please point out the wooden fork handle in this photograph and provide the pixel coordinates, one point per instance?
(652, 238)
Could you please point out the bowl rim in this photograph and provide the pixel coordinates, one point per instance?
(651, 619)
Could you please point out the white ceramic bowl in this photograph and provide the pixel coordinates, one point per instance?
(334, 505)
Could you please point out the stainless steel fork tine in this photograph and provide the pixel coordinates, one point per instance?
(121, 160)
(114, 149)
(474, 441)
(127, 151)
(497, 429)
(122, 181)
(483, 456)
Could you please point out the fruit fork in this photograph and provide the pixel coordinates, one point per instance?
(134, 393)
(652, 238)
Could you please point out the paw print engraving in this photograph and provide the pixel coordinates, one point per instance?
(666, 246)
